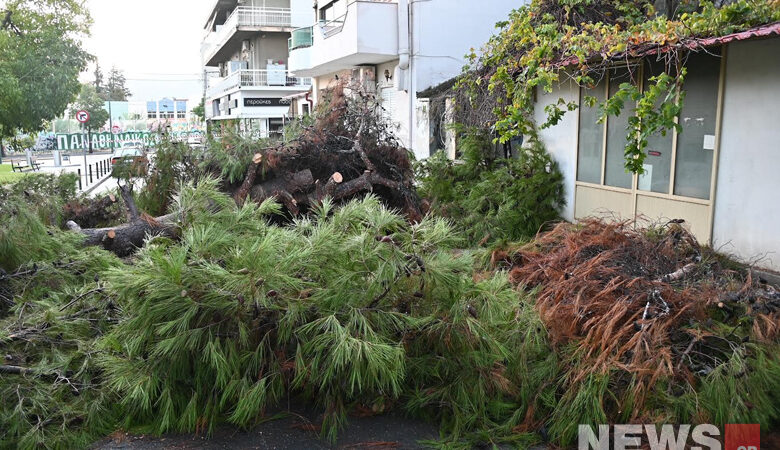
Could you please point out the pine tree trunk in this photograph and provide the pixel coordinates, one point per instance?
(125, 239)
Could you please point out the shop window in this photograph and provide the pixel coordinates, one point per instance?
(615, 171)
(693, 154)
(658, 163)
(696, 142)
(591, 135)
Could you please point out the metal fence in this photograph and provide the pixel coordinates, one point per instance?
(259, 77)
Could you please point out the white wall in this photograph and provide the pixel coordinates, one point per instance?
(561, 139)
(302, 13)
(747, 202)
(443, 32)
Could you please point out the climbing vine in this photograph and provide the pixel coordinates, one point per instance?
(550, 41)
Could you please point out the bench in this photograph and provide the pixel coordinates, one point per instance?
(22, 166)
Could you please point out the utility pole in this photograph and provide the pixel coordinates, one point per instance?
(83, 128)
(110, 124)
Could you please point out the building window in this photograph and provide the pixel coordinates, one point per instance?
(151, 115)
(658, 162)
(180, 114)
(275, 126)
(600, 157)
(591, 135)
(696, 143)
(615, 173)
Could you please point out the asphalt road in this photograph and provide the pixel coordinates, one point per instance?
(295, 431)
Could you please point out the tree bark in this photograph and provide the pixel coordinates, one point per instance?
(330, 187)
(124, 239)
(367, 181)
(126, 190)
(249, 180)
(16, 370)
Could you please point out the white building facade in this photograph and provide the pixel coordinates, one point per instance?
(720, 174)
(245, 57)
(398, 47)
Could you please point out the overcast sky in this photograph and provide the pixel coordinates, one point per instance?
(155, 42)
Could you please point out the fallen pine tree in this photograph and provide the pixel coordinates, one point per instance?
(53, 308)
(348, 150)
(352, 308)
(126, 238)
(359, 311)
(651, 327)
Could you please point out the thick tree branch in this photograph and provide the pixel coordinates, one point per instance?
(249, 180)
(126, 190)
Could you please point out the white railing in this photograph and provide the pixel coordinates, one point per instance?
(250, 16)
(331, 27)
(252, 78)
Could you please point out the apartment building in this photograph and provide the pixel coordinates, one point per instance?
(395, 47)
(245, 48)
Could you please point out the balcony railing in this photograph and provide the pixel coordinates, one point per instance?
(257, 78)
(331, 27)
(250, 16)
(245, 16)
(301, 38)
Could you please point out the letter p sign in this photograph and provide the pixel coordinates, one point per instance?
(743, 437)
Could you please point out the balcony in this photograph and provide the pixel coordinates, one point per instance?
(300, 38)
(241, 24)
(247, 78)
(366, 34)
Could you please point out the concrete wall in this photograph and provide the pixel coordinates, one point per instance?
(561, 139)
(747, 202)
(270, 46)
(399, 110)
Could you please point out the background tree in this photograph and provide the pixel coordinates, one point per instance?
(200, 110)
(40, 60)
(99, 86)
(115, 87)
(90, 101)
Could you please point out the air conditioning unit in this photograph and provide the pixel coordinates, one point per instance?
(277, 73)
(366, 77)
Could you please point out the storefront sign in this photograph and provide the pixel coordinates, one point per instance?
(259, 101)
(102, 141)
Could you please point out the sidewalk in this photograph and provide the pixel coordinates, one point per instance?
(94, 173)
